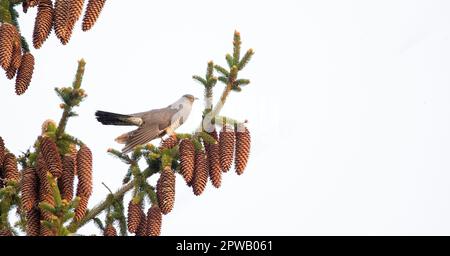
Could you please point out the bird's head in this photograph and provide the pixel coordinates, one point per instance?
(190, 98)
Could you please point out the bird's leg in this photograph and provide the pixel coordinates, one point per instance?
(171, 132)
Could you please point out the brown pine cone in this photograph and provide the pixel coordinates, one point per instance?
(73, 151)
(43, 23)
(51, 156)
(170, 142)
(142, 227)
(187, 158)
(44, 186)
(110, 230)
(29, 188)
(33, 223)
(65, 183)
(10, 167)
(242, 153)
(45, 191)
(44, 231)
(213, 158)
(16, 59)
(133, 216)
(6, 232)
(45, 196)
(165, 190)
(154, 221)
(200, 173)
(93, 9)
(8, 36)
(73, 13)
(60, 20)
(80, 211)
(84, 171)
(25, 73)
(226, 148)
(2, 151)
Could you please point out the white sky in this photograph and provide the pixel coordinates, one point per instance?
(349, 109)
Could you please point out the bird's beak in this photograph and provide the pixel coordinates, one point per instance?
(195, 98)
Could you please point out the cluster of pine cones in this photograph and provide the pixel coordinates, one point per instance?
(196, 167)
(61, 16)
(13, 59)
(36, 188)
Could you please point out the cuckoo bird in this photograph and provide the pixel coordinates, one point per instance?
(151, 124)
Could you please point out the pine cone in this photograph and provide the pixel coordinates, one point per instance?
(142, 227)
(80, 211)
(226, 148)
(25, 73)
(16, 59)
(45, 196)
(213, 158)
(187, 157)
(133, 216)
(110, 230)
(93, 9)
(43, 23)
(2, 151)
(170, 142)
(6, 232)
(242, 153)
(8, 36)
(165, 190)
(200, 173)
(44, 231)
(45, 190)
(51, 156)
(65, 183)
(84, 171)
(73, 13)
(73, 151)
(29, 188)
(60, 20)
(33, 223)
(154, 221)
(10, 167)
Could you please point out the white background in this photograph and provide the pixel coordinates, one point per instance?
(349, 109)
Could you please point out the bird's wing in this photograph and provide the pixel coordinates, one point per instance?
(155, 124)
(163, 117)
(144, 134)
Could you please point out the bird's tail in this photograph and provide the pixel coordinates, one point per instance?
(108, 118)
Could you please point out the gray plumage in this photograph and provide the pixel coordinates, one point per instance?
(152, 124)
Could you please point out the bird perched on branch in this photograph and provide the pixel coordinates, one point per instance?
(152, 124)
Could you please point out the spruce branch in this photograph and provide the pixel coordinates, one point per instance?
(200, 79)
(229, 78)
(236, 47)
(246, 59)
(71, 96)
